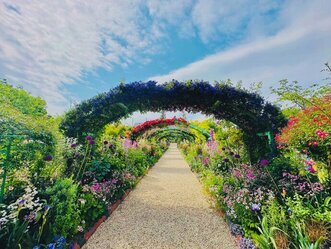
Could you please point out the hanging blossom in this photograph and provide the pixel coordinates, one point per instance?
(212, 143)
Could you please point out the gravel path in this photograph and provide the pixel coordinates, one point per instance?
(166, 210)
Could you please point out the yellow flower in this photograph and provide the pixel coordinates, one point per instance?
(323, 175)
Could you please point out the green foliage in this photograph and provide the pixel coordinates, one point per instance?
(299, 96)
(275, 215)
(136, 162)
(212, 183)
(91, 208)
(301, 240)
(302, 210)
(114, 131)
(265, 240)
(65, 214)
(21, 100)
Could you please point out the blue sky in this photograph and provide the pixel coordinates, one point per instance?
(67, 51)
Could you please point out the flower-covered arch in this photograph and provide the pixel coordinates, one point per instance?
(172, 132)
(141, 129)
(247, 110)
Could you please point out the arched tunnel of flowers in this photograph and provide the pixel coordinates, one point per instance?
(266, 170)
(149, 128)
(172, 133)
(249, 111)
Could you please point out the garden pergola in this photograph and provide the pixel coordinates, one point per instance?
(247, 110)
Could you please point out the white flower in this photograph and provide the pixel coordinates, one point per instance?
(82, 201)
(80, 229)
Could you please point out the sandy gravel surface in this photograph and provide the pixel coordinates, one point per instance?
(166, 210)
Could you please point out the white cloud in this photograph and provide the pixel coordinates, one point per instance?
(45, 45)
(297, 52)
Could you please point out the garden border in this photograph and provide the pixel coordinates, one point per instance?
(110, 209)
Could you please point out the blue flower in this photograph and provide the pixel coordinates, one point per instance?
(60, 241)
(51, 246)
(37, 247)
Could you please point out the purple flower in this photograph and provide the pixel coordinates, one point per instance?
(48, 158)
(237, 156)
(76, 155)
(111, 146)
(21, 202)
(256, 207)
(47, 207)
(30, 218)
(289, 211)
(72, 245)
(226, 160)
(91, 142)
(264, 162)
(236, 229)
(105, 142)
(247, 244)
(73, 145)
(88, 138)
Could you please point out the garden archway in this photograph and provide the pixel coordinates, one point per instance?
(172, 131)
(248, 111)
(143, 129)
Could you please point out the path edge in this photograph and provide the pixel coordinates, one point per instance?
(222, 216)
(110, 209)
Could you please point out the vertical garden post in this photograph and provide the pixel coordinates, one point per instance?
(271, 141)
(5, 166)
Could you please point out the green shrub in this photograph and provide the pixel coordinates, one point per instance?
(64, 213)
(136, 162)
(91, 208)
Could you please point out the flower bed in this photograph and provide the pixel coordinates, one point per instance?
(78, 185)
(277, 202)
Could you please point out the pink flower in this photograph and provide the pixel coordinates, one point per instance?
(206, 161)
(236, 173)
(321, 134)
(311, 169)
(250, 174)
(264, 162)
